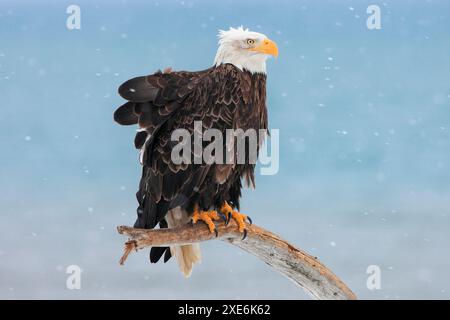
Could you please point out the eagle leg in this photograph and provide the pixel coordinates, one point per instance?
(240, 218)
(207, 217)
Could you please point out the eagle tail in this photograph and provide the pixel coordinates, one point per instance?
(186, 255)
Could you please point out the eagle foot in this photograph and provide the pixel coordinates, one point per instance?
(240, 218)
(207, 217)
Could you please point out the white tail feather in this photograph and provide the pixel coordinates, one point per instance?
(186, 255)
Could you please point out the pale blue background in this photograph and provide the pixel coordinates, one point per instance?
(364, 119)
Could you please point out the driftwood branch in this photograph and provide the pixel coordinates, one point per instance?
(305, 270)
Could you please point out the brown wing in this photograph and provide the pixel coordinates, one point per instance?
(152, 100)
(161, 103)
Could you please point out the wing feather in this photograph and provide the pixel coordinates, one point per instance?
(125, 114)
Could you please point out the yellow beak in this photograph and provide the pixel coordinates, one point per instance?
(267, 47)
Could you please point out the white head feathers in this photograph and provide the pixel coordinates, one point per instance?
(244, 49)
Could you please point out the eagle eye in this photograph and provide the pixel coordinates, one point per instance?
(250, 42)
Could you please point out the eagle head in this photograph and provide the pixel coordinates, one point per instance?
(245, 49)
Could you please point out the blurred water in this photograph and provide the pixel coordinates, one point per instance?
(364, 127)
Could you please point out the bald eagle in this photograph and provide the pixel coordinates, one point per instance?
(229, 95)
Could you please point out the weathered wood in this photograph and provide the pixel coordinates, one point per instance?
(305, 270)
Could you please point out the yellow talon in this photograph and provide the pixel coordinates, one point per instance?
(226, 208)
(240, 218)
(207, 217)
